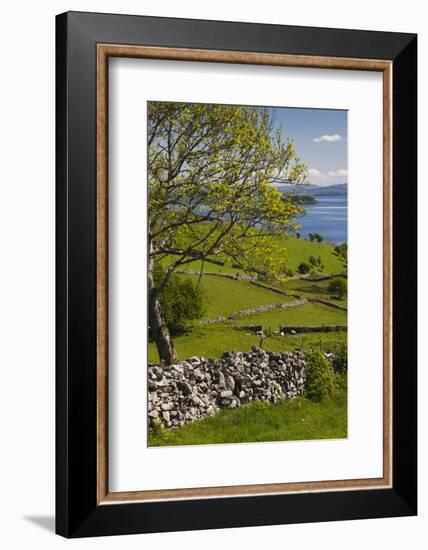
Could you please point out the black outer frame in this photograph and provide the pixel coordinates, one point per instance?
(77, 513)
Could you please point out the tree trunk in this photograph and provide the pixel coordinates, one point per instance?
(158, 326)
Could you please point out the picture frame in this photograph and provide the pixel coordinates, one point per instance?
(84, 44)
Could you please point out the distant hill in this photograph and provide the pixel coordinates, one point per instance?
(339, 189)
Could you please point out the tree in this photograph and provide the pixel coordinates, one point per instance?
(210, 175)
(304, 268)
(338, 287)
(342, 251)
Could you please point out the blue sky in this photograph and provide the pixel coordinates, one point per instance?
(320, 137)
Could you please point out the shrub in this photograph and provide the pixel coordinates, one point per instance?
(316, 237)
(340, 366)
(342, 251)
(340, 363)
(304, 268)
(316, 263)
(341, 382)
(320, 379)
(181, 301)
(338, 287)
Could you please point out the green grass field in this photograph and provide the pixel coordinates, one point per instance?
(224, 296)
(299, 250)
(313, 289)
(307, 314)
(295, 251)
(214, 340)
(207, 267)
(299, 419)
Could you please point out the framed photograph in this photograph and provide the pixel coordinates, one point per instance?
(236, 274)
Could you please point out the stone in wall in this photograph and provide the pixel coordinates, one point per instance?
(200, 387)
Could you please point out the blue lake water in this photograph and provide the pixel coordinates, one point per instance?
(329, 217)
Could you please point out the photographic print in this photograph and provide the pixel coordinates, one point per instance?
(247, 273)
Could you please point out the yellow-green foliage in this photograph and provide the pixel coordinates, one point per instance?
(210, 172)
(292, 250)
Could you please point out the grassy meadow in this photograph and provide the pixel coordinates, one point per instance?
(224, 296)
(212, 341)
(300, 419)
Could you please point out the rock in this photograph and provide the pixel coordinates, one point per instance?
(185, 388)
(197, 373)
(221, 379)
(230, 382)
(225, 401)
(151, 384)
(199, 387)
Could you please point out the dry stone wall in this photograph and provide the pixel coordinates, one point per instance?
(199, 387)
(297, 329)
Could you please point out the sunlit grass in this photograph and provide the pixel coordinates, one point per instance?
(214, 340)
(313, 289)
(307, 314)
(299, 419)
(225, 296)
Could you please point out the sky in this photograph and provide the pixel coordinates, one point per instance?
(320, 138)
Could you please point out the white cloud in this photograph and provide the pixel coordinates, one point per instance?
(321, 178)
(326, 137)
(314, 173)
(340, 173)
